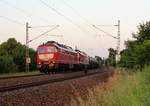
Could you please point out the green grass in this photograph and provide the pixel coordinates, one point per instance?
(129, 90)
(18, 73)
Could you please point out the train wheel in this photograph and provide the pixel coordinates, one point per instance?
(42, 70)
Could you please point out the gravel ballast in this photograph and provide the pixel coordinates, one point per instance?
(55, 94)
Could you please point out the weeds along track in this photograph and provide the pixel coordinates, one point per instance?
(48, 81)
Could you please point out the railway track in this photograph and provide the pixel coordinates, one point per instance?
(21, 76)
(39, 83)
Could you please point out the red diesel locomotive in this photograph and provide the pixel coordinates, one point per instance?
(52, 56)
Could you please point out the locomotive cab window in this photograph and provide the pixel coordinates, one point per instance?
(41, 49)
(51, 49)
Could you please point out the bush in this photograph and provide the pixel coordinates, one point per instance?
(6, 64)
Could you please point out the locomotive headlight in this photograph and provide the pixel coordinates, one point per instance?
(50, 55)
(46, 56)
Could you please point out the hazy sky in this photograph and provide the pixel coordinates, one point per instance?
(76, 21)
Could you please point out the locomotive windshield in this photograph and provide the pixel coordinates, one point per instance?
(46, 49)
(41, 49)
(51, 49)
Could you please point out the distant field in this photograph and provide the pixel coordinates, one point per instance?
(128, 90)
(18, 73)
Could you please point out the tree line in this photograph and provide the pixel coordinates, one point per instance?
(137, 52)
(12, 56)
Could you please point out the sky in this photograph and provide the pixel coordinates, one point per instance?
(75, 19)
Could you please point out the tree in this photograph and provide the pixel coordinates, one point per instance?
(6, 64)
(8, 47)
(99, 59)
(15, 52)
(32, 54)
(19, 56)
(137, 52)
(112, 57)
(143, 32)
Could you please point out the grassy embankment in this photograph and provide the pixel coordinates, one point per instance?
(130, 89)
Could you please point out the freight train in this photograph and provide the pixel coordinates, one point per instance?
(52, 57)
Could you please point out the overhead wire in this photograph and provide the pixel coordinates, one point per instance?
(53, 9)
(108, 34)
(21, 24)
(14, 7)
(42, 26)
(21, 10)
(87, 21)
(27, 14)
(65, 17)
(78, 14)
(43, 33)
(12, 20)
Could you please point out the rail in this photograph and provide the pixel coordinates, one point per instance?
(39, 83)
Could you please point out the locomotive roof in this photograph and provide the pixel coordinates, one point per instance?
(60, 45)
(81, 52)
(68, 48)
